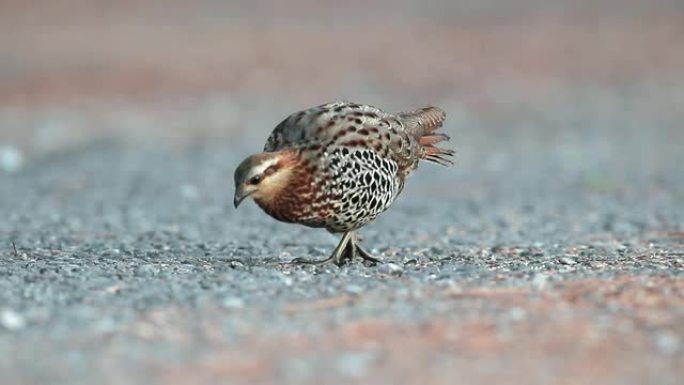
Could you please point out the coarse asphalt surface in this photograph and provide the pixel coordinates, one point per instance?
(551, 253)
(109, 236)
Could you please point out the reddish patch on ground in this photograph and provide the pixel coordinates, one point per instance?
(590, 331)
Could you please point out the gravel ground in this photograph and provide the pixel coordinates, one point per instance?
(131, 266)
(551, 253)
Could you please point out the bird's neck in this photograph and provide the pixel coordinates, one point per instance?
(290, 197)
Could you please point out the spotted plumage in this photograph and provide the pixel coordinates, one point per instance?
(339, 165)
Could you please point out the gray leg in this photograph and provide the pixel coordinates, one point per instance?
(349, 253)
(338, 255)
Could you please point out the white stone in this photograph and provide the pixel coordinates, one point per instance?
(11, 159)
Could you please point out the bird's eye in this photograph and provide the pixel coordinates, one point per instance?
(255, 179)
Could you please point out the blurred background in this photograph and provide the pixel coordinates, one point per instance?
(550, 253)
(526, 70)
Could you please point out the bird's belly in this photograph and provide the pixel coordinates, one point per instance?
(362, 185)
(345, 211)
(357, 207)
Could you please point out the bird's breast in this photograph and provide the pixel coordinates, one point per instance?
(301, 200)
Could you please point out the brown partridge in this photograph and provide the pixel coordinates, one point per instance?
(338, 166)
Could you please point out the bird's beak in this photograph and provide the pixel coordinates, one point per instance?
(240, 195)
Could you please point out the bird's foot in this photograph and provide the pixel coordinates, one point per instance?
(353, 250)
(366, 255)
(338, 255)
(346, 251)
(304, 261)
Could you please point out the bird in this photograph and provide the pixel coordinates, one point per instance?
(339, 165)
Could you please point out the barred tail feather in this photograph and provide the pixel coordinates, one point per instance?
(423, 121)
(436, 154)
(422, 124)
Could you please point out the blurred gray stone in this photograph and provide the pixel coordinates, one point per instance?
(11, 159)
(391, 268)
(12, 320)
(568, 261)
(355, 364)
(233, 303)
(667, 343)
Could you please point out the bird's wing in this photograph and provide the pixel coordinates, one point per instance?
(348, 124)
(331, 121)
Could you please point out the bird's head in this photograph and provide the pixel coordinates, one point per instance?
(262, 176)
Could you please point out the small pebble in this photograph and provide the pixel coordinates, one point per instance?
(11, 159)
(568, 261)
(354, 289)
(189, 192)
(146, 271)
(667, 343)
(540, 281)
(233, 303)
(517, 314)
(235, 264)
(355, 364)
(12, 320)
(391, 269)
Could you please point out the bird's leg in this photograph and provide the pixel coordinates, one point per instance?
(349, 253)
(338, 255)
(358, 250)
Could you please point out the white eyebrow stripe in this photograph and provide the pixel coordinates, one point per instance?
(259, 169)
